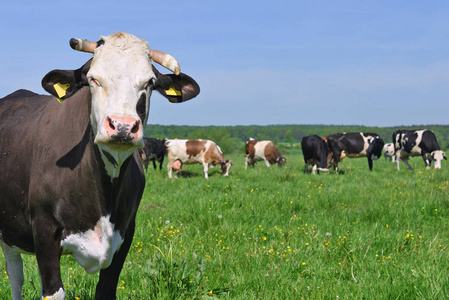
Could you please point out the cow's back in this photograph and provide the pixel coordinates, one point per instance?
(270, 152)
(19, 122)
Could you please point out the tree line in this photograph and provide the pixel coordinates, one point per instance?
(231, 138)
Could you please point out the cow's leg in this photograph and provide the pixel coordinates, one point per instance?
(107, 284)
(306, 168)
(154, 165)
(205, 169)
(370, 161)
(47, 243)
(398, 159)
(405, 160)
(425, 157)
(160, 163)
(170, 168)
(314, 168)
(336, 160)
(246, 162)
(14, 268)
(267, 163)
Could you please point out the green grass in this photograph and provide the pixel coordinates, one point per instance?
(281, 234)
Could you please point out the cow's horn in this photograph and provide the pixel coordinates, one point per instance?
(166, 60)
(83, 45)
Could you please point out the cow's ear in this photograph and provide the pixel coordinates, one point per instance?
(64, 83)
(176, 88)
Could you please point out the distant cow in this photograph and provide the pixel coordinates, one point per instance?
(203, 152)
(262, 150)
(316, 153)
(154, 150)
(71, 179)
(388, 151)
(355, 144)
(417, 142)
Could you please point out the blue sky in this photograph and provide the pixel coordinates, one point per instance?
(373, 63)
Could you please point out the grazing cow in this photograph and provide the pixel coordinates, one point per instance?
(77, 188)
(417, 142)
(262, 150)
(154, 150)
(315, 150)
(353, 145)
(203, 152)
(388, 151)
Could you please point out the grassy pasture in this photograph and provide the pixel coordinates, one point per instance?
(281, 234)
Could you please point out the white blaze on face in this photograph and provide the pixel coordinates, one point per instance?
(120, 75)
(95, 248)
(438, 156)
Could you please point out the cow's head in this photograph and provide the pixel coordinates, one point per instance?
(438, 156)
(225, 166)
(121, 78)
(281, 161)
(375, 148)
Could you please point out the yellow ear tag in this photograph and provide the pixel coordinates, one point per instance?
(61, 90)
(172, 91)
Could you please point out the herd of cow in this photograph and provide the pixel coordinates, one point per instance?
(319, 152)
(77, 187)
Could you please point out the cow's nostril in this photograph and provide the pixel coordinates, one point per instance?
(135, 127)
(111, 125)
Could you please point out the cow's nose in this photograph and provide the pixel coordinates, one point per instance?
(122, 129)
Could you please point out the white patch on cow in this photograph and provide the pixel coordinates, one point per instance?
(416, 150)
(59, 295)
(95, 248)
(259, 152)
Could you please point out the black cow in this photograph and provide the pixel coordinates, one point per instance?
(77, 187)
(315, 150)
(353, 145)
(417, 142)
(154, 150)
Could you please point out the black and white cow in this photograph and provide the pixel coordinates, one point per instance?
(417, 143)
(77, 187)
(316, 153)
(154, 150)
(354, 145)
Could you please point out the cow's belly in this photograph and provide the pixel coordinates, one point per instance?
(415, 151)
(356, 155)
(95, 248)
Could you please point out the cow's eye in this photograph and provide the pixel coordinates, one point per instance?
(94, 82)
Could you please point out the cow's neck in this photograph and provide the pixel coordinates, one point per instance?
(113, 160)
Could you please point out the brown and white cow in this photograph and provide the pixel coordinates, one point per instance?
(262, 150)
(77, 188)
(203, 152)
